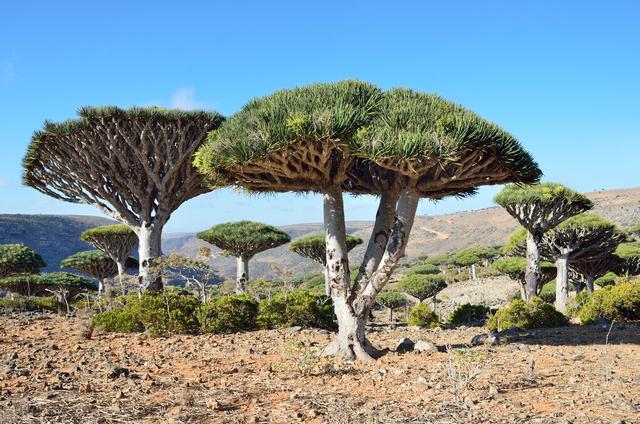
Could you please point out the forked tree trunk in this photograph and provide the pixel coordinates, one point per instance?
(562, 282)
(352, 310)
(149, 248)
(242, 273)
(589, 283)
(532, 271)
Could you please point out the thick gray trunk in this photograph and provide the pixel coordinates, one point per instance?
(327, 287)
(242, 273)
(336, 243)
(385, 217)
(532, 271)
(149, 248)
(350, 342)
(562, 282)
(589, 284)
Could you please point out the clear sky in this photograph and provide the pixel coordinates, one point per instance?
(562, 76)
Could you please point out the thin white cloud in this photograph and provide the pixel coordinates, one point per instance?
(184, 98)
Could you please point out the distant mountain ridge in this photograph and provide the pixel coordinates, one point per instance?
(57, 236)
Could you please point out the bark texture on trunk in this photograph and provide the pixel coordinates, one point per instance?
(242, 273)
(149, 248)
(473, 271)
(589, 283)
(532, 271)
(327, 287)
(562, 282)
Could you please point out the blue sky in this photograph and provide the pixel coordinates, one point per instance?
(563, 77)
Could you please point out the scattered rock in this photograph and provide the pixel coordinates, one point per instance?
(484, 339)
(291, 330)
(425, 346)
(118, 371)
(405, 345)
(493, 390)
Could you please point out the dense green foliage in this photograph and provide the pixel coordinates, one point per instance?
(313, 247)
(391, 299)
(548, 291)
(515, 268)
(157, 314)
(438, 260)
(607, 279)
(541, 194)
(228, 313)
(95, 263)
(587, 220)
(423, 269)
(244, 238)
(468, 313)
(535, 313)
(422, 316)
(299, 308)
(472, 255)
(107, 231)
(29, 303)
(37, 284)
(516, 243)
(19, 259)
(422, 286)
(619, 302)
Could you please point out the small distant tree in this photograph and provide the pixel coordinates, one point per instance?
(116, 241)
(44, 283)
(314, 248)
(472, 256)
(19, 259)
(196, 274)
(423, 269)
(423, 286)
(539, 208)
(634, 231)
(583, 236)
(590, 269)
(629, 254)
(441, 261)
(391, 300)
(96, 264)
(135, 165)
(515, 268)
(244, 239)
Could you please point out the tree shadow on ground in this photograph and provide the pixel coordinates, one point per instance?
(576, 335)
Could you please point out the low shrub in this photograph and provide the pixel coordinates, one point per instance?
(467, 313)
(300, 307)
(526, 315)
(607, 279)
(422, 316)
(423, 269)
(26, 303)
(228, 313)
(577, 303)
(619, 302)
(157, 314)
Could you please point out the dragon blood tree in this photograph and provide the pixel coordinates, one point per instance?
(629, 254)
(132, 164)
(350, 137)
(538, 209)
(313, 247)
(588, 270)
(94, 263)
(515, 267)
(19, 259)
(116, 241)
(244, 239)
(578, 238)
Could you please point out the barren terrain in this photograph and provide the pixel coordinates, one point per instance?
(49, 373)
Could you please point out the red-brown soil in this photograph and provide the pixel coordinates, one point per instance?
(49, 373)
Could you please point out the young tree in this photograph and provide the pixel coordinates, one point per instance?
(538, 209)
(193, 272)
(96, 264)
(629, 254)
(589, 269)
(423, 286)
(116, 241)
(19, 259)
(313, 247)
(244, 239)
(441, 261)
(391, 300)
(132, 164)
(583, 236)
(515, 267)
(423, 269)
(349, 136)
(472, 256)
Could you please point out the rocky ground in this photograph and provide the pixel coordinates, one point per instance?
(50, 373)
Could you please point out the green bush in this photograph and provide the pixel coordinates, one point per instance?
(577, 303)
(26, 303)
(422, 316)
(533, 314)
(607, 279)
(228, 314)
(467, 313)
(300, 307)
(423, 269)
(619, 302)
(157, 314)
(422, 286)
